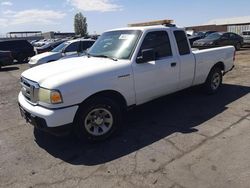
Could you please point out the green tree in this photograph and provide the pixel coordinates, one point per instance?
(80, 25)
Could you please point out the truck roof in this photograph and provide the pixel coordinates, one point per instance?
(80, 39)
(143, 28)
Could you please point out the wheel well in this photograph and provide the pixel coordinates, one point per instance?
(114, 95)
(220, 65)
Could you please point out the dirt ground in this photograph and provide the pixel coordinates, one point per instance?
(187, 139)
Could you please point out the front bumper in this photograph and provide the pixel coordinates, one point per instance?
(55, 121)
(246, 42)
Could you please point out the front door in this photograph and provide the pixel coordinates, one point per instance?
(159, 77)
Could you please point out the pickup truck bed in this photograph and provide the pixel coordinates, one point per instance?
(205, 60)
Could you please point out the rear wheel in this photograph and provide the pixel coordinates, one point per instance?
(214, 81)
(97, 119)
(238, 46)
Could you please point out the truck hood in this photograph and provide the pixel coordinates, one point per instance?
(55, 74)
(45, 55)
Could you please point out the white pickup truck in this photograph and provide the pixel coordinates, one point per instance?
(125, 67)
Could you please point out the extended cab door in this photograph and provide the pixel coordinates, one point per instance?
(160, 76)
(186, 59)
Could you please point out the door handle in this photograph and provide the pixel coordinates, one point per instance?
(173, 64)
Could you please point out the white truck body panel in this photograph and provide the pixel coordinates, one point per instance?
(206, 59)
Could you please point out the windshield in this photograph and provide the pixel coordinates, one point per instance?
(214, 36)
(199, 34)
(60, 47)
(115, 44)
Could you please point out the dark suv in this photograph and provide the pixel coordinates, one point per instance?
(20, 49)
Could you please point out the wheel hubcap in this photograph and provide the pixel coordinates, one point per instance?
(216, 81)
(99, 121)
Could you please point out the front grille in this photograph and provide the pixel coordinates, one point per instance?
(29, 90)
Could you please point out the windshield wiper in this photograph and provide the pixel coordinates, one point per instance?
(89, 55)
(105, 56)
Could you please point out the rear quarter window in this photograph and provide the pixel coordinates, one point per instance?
(182, 42)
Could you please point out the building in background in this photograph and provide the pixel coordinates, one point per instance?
(26, 35)
(236, 25)
(57, 35)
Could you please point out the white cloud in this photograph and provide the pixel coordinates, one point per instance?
(32, 16)
(6, 3)
(95, 5)
(8, 12)
(3, 22)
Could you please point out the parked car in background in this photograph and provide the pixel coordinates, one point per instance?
(199, 35)
(67, 49)
(5, 58)
(220, 39)
(33, 42)
(40, 43)
(246, 37)
(49, 46)
(20, 49)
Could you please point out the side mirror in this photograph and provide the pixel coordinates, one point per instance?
(147, 55)
(63, 51)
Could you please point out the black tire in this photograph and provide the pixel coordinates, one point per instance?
(85, 127)
(20, 59)
(238, 46)
(214, 81)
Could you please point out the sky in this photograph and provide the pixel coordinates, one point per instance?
(102, 15)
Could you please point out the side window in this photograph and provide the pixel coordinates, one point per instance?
(159, 41)
(86, 44)
(23, 44)
(74, 47)
(13, 45)
(226, 36)
(233, 36)
(182, 42)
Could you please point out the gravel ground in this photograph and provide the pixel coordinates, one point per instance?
(187, 139)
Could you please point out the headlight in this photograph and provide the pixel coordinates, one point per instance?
(49, 96)
(32, 60)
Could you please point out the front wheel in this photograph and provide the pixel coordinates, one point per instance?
(97, 119)
(214, 81)
(20, 58)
